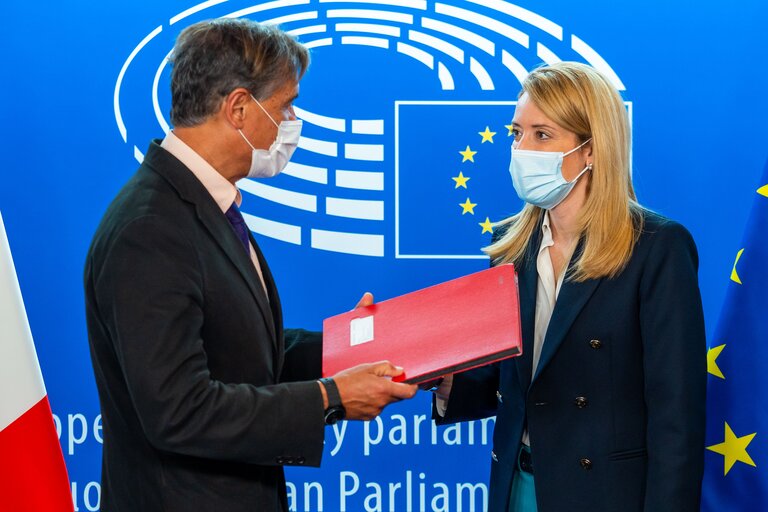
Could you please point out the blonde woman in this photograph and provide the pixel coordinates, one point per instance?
(604, 411)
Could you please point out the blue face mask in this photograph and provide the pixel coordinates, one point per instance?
(538, 176)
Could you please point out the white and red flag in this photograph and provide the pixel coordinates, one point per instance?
(33, 476)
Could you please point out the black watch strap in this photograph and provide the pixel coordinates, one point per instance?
(334, 398)
(335, 410)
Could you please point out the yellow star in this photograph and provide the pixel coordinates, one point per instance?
(734, 276)
(487, 228)
(763, 191)
(510, 129)
(468, 207)
(487, 135)
(733, 449)
(468, 154)
(712, 361)
(461, 180)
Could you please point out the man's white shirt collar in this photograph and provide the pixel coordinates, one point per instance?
(222, 191)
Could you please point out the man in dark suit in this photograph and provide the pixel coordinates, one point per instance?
(204, 396)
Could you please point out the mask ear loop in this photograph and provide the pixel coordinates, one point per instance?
(265, 111)
(577, 147)
(269, 116)
(245, 139)
(587, 168)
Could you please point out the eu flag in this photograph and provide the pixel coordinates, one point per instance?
(736, 474)
(452, 176)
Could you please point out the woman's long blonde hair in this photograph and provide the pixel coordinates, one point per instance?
(581, 100)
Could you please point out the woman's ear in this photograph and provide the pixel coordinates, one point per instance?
(586, 152)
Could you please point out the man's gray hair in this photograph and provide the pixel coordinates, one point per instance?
(213, 58)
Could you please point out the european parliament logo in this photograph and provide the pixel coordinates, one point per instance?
(406, 109)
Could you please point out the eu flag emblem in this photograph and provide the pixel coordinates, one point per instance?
(452, 176)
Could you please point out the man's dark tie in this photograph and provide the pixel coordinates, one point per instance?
(238, 224)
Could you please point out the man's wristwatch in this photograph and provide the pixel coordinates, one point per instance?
(335, 411)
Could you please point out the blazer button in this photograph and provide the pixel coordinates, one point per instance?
(499, 397)
(581, 402)
(586, 464)
(301, 460)
(280, 460)
(494, 457)
(595, 344)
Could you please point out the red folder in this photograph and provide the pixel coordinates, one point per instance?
(447, 328)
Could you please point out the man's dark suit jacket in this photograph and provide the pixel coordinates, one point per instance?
(191, 361)
(615, 412)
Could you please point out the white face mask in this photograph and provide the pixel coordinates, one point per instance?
(538, 176)
(268, 163)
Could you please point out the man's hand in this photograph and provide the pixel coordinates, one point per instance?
(366, 389)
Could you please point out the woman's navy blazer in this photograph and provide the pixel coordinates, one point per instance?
(615, 411)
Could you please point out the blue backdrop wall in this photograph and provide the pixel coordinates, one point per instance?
(395, 91)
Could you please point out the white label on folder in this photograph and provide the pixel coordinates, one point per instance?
(361, 331)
